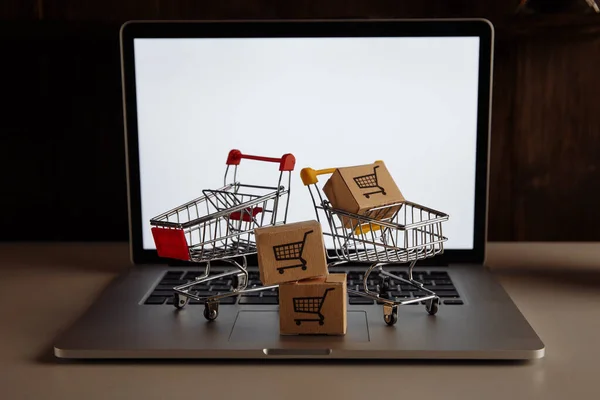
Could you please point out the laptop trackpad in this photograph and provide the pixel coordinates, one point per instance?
(263, 326)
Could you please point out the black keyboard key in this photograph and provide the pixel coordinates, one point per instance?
(191, 275)
(401, 295)
(360, 300)
(173, 282)
(454, 302)
(203, 293)
(442, 281)
(354, 295)
(442, 287)
(254, 282)
(170, 300)
(221, 287)
(447, 294)
(162, 292)
(438, 274)
(253, 275)
(269, 293)
(251, 294)
(258, 300)
(156, 300)
(199, 287)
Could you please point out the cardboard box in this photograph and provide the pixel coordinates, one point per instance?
(313, 306)
(288, 253)
(360, 188)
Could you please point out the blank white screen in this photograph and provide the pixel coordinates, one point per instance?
(411, 102)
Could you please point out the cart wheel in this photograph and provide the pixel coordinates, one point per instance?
(209, 314)
(281, 271)
(383, 193)
(298, 323)
(392, 318)
(367, 195)
(321, 322)
(432, 305)
(180, 301)
(304, 268)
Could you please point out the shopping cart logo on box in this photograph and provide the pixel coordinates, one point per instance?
(310, 305)
(369, 181)
(291, 251)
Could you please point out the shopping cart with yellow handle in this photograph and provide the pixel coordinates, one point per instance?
(399, 233)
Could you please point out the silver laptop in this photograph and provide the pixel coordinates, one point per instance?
(415, 94)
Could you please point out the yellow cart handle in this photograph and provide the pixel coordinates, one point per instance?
(309, 175)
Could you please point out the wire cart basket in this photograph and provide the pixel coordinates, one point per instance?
(310, 305)
(219, 226)
(399, 233)
(291, 251)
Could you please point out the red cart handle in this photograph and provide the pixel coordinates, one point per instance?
(286, 162)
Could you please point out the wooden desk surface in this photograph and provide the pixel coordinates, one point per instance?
(44, 287)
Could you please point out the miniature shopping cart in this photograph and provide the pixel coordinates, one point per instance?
(310, 305)
(220, 226)
(398, 233)
(291, 251)
(369, 181)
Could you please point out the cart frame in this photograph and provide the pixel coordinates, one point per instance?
(398, 233)
(219, 226)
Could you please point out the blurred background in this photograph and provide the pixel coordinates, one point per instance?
(61, 122)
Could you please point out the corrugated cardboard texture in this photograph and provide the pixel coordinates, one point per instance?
(360, 188)
(309, 295)
(282, 248)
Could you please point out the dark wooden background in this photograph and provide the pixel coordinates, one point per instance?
(63, 165)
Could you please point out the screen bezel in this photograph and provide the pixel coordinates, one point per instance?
(285, 29)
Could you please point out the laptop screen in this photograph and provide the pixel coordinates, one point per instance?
(409, 101)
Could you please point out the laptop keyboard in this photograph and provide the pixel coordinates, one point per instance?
(437, 281)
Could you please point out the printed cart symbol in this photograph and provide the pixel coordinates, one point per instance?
(369, 181)
(310, 305)
(291, 251)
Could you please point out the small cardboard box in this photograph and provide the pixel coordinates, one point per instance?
(361, 188)
(287, 253)
(313, 306)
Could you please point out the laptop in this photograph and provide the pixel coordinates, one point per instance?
(413, 93)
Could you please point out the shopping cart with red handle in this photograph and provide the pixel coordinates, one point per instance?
(220, 225)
